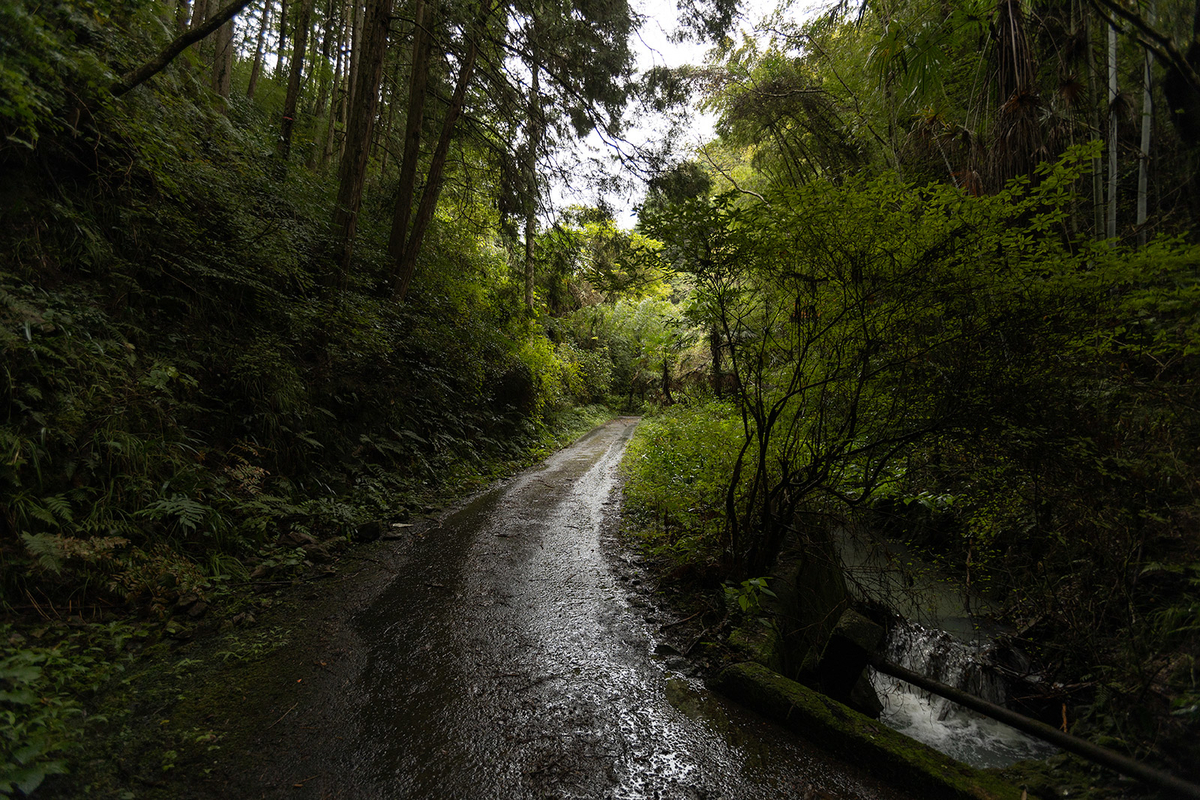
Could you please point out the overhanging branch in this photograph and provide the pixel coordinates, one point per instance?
(181, 43)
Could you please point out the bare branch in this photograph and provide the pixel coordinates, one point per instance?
(1160, 43)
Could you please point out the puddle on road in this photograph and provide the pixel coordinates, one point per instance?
(512, 664)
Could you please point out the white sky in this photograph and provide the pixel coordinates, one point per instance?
(653, 48)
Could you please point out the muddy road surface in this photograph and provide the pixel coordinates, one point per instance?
(512, 654)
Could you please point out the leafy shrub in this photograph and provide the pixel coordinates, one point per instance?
(40, 700)
(677, 469)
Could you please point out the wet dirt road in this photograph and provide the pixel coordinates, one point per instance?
(511, 658)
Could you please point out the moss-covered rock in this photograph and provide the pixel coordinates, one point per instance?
(759, 643)
(904, 762)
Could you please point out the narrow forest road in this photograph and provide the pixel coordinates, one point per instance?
(514, 657)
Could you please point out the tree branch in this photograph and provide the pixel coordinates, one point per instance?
(1163, 46)
(181, 43)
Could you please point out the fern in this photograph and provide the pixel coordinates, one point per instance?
(45, 548)
(180, 510)
(60, 507)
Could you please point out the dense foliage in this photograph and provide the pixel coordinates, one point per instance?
(268, 291)
(928, 325)
(208, 381)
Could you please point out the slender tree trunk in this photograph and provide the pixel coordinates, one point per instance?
(354, 10)
(182, 13)
(1144, 150)
(356, 37)
(199, 14)
(417, 85)
(353, 168)
(534, 145)
(222, 74)
(433, 181)
(1097, 163)
(326, 85)
(385, 135)
(294, 77)
(321, 156)
(714, 347)
(256, 70)
(1112, 132)
(281, 51)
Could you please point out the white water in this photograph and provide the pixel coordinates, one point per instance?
(939, 723)
(887, 572)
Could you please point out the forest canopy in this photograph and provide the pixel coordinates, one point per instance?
(277, 273)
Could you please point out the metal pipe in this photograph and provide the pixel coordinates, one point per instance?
(1100, 755)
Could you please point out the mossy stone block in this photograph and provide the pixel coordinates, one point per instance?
(892, 756)
(758, 643)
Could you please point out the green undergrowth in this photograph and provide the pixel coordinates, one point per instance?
(63, 683)
(49, 674)
(676, 470)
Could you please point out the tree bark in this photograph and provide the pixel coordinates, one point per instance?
(294, 77)
(417, 89)
(256, 70)
(282, 49)
(329, 35)
(353, 168)
(170, 52)
(1094, 113)
(1112, 132)
(222, 73)
(407, 262)
(182, 14)
(1144, 149)
(199, 14)
(534, 144)
(320, 157)
(356, 37)
(385, 135)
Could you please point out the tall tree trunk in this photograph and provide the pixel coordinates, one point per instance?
(256, 70)
(385, 135)
(1112, 132)
(222, 73)
(182, 13)
(282, 49)
(328, 37)
(407, 262)
(1097, 163)
(337, 104)
(534, 145)
(356, 38)
(294, 77)
(1144, 150)
(353, 168)
(417, 87)
(200, 14)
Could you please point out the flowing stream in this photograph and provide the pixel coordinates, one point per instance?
(943, 638)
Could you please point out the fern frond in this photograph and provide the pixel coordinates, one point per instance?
(46, 548)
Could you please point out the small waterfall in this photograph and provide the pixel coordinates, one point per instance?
(939, 723)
